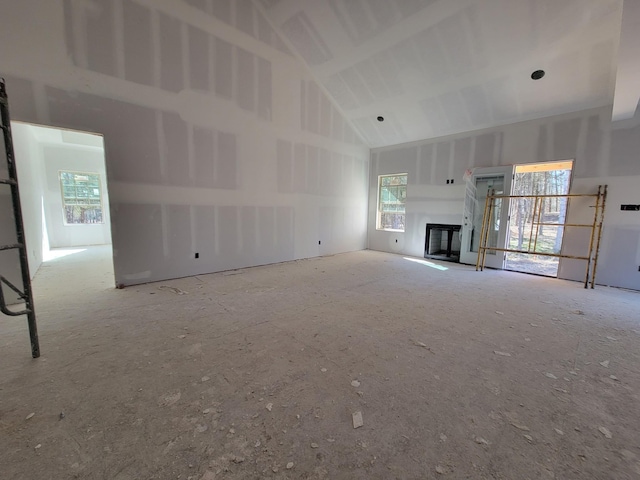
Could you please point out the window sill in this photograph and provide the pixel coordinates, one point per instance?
(389, 230)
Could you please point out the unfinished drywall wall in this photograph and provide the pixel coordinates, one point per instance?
(29, 170)
(217, 141)
(29, 163)
(602, 156)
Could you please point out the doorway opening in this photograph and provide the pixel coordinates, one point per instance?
(65, 207)
(540, 223)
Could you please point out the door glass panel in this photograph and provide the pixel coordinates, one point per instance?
(536, 226)
(483, 186)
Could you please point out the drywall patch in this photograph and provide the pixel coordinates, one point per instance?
(204, 231)
(245, 77)
(248, 19)
(264, 89)
(385, 65)
(135, 277)
(357, 85)
(137, 224)
(456, 111)
(306, 38)
(284, 166)
(312, 170)
(221, 9)
(325, 116)
(265, 32)
(434, 115)
(299, 168)
(199, 4)
(203, 149)
(266, 235)
(336, 169)
(313, 106)
(461, 155)
(373, 77)
(249, 233)
(601, 54)
(592, 156)
(336, 125)
(100, 31)
(368, 130)
(426, 164)
(174, 132)
(478, 105)
(223, 68)
(138, 51)
(21, 96)
(198, 59)
(171, 76)
(226, 164)
(285, 220)
(565, 138)
(543, 142)
(179, 233)
(625, 145)
(339, 90)
(324, 172)
(502, 98)
(443, 156)
(457, 43)
(244, 17)
(130, 132)
(228, 234)
(622, 258)
(485, 150)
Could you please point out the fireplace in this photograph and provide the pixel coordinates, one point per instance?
(442, 242)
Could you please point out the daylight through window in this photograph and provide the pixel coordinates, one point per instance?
(81, 198)
(392, 196)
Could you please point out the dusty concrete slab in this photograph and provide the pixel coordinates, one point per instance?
(128, 368)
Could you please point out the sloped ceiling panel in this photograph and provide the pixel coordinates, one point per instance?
(433, 68)
(627, 96)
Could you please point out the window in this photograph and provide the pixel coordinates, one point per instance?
(81, 198)
(392, 196)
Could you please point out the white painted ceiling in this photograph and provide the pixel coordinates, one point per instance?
(438, 67)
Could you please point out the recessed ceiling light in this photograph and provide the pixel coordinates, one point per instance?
(381, 119)
(537, 75)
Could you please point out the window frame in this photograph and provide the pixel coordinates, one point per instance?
(64, 205)
(379, 203)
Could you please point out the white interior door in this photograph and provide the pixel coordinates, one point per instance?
(479, 185)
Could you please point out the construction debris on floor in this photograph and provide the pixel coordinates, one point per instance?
(311, 369)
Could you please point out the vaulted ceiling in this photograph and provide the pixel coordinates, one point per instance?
(438, 67)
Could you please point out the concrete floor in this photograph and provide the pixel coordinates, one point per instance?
(462, 375)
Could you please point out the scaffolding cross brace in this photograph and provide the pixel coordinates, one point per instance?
(595, 236)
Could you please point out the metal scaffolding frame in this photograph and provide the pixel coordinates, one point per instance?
(538, 202)
(25, 294)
